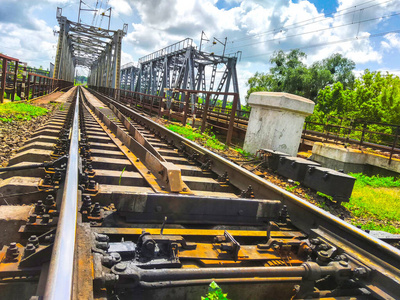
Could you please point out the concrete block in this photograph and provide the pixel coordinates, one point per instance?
(354, 160)
(276, 121)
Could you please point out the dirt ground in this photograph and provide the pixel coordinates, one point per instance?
(14, 134)
(48, 98)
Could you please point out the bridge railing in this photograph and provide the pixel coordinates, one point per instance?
(16, 80)
(357, 132)
(181, 45)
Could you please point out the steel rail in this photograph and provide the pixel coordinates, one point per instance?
(382, 257)
(303, 214)
(60, 276)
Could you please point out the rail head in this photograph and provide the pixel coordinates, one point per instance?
(60, 275)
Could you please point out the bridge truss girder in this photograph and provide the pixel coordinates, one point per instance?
(129, 75)
(95, 48)
(182, 66)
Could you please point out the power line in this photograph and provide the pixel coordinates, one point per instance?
(317, 30)
(312, 19)
(331, 43)
(258, 35)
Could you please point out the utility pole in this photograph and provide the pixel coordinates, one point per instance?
(214, 42)
(201, 39)
(83, 9)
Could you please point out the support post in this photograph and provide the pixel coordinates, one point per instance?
(3, 80)
(185, 111)
(232, 119)
(205, 113)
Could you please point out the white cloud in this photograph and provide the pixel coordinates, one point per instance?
(120, 7)
(31, 46)
(392, 41)
(125, 58)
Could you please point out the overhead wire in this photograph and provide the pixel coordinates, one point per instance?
(318, 30)
(102, 14)
(332, 42)
(101, 5)
(322, 17)
(95, 12)
(288, 27)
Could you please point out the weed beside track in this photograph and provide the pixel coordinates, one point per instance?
(373, 205)
(20, 111)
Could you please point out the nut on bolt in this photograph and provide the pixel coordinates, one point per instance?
(32, 218)
(111, 260)
(12, 251)
(120, 267)
(33, 239)
(29, 249)
(102, 237)
(45, 218)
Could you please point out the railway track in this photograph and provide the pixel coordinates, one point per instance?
(115, 206)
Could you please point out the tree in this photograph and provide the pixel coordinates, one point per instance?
(374, 97)
(290, 74)
(341, 69)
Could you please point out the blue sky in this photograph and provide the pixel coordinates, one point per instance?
(255, 27)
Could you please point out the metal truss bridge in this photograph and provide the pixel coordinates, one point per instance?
(178, 66)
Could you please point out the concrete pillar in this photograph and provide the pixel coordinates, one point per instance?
(276, 121)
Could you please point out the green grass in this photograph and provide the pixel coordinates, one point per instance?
(244, 153)
(215, 293)
(376, 199)
(374, 226)
(16, 97)
(20, 111)
(207, 138)
(375, 181)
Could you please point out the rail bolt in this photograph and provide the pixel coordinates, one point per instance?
(360, 272)
(315, 241)
(32, 218)
(120, 267)
(49, 200)
(92, 184)
(86, 202)
(12, 251)
(33, 239)
(344, 263)
(30, 249)
(323, 247)
(39, 207)
(96, 209)
(45, 218)
(112, 259)
(102, 237)
(47, 180)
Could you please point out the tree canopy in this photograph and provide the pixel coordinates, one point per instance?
(374, 97)
(290, 74)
